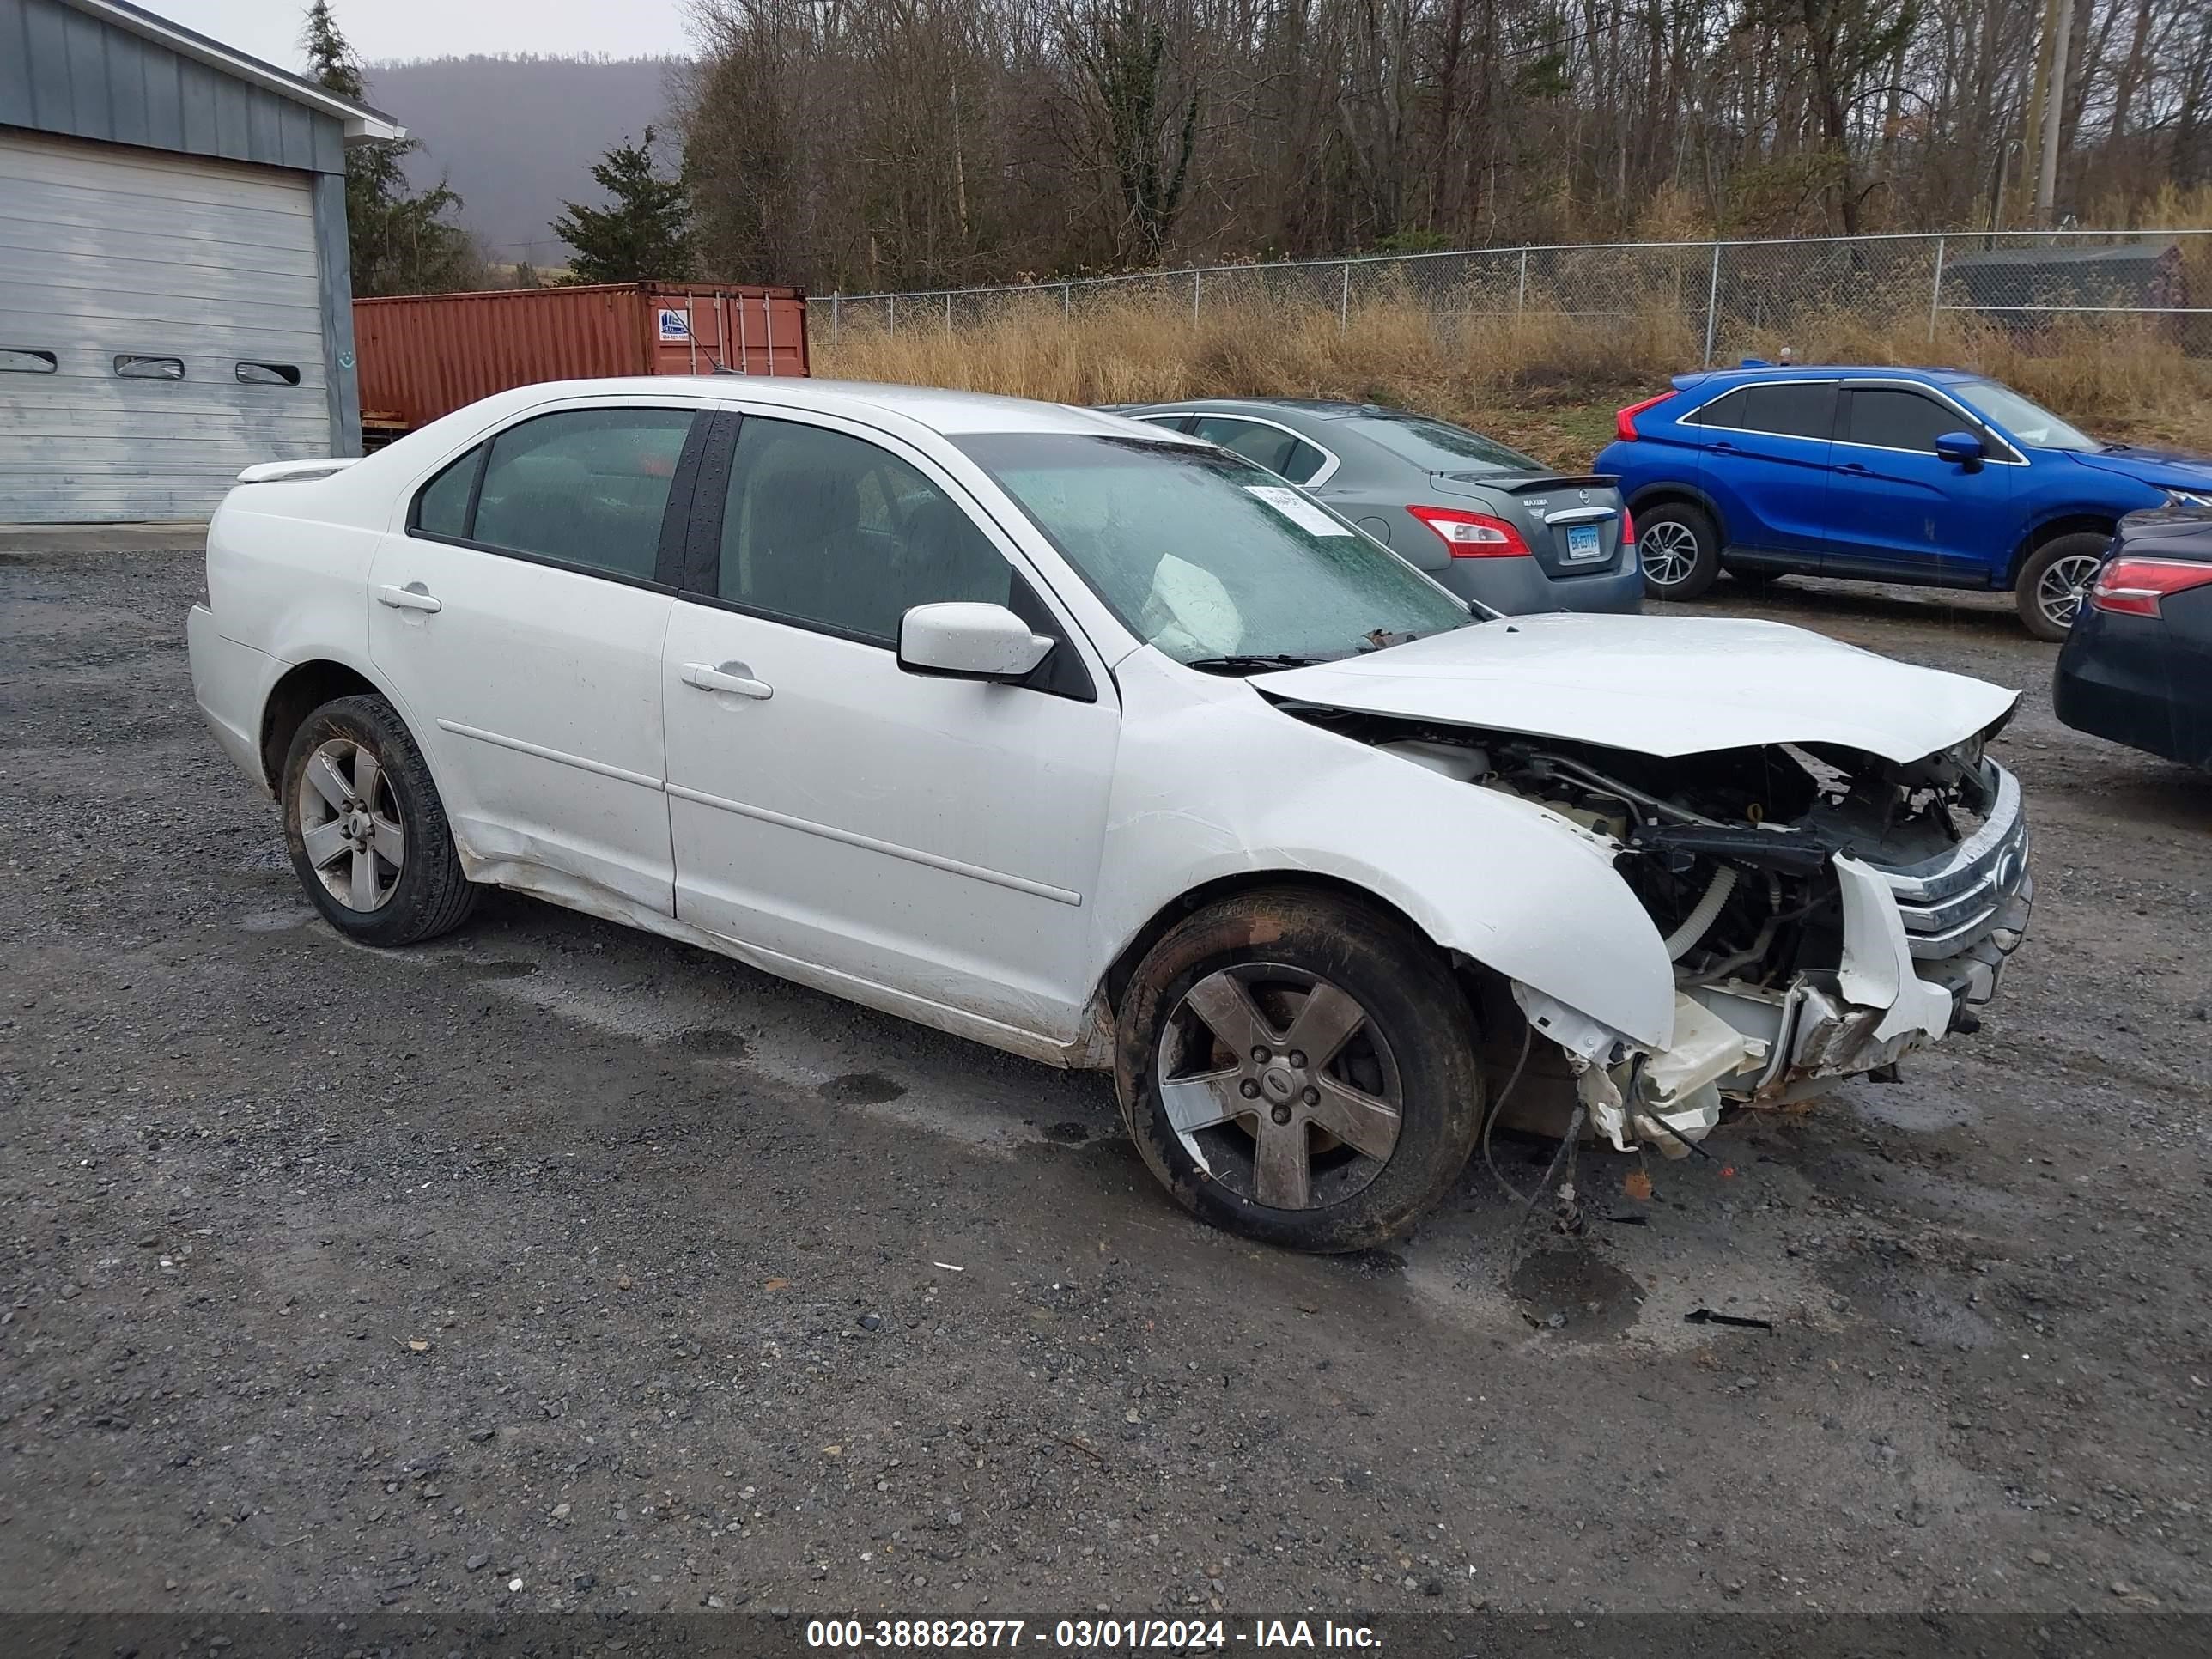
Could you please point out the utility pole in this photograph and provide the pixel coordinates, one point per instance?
(2054, 113)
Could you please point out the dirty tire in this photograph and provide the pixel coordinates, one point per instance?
(1408, 996)
(1678, 546)
(2083, 550)
(431, 895)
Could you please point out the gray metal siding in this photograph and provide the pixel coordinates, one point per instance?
(106, 250)
(335, 267)
(63, 72)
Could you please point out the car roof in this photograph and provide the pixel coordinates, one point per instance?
(943, 411)
(1326, 409)
(1743, 375)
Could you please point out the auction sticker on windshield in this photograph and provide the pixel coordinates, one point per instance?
(1298, 509)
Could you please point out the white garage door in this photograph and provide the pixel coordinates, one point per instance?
(160, 329)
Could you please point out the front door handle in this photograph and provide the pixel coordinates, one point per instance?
(413, 596)
(730, 676)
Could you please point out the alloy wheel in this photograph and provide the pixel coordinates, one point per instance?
(2063, 589)
(1281, 1085)
(1669, 552)
(349, 825)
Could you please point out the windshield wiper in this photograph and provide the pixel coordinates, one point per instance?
(1237, 663)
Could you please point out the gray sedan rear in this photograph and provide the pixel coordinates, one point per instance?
(1488, 522)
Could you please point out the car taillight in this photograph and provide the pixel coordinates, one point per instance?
(1627, 528)
(1473, 535)
(2133, 587)
(1625, 423)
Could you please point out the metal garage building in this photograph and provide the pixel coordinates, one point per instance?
(174, 297)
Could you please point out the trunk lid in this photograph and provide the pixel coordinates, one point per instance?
(1657, 685)
(1571, 523)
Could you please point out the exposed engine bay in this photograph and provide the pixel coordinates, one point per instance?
(1824, 910)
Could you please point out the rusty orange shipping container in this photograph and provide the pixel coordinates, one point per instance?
(425, 355)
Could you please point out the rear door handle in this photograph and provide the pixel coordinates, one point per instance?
(730, 676)
(1851, 466)
(413, 596)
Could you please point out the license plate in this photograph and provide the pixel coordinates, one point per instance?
(1583, 544)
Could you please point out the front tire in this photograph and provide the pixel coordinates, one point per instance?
(1680, 548)
(1298, 1067)
(365, 829)
(2054, 584)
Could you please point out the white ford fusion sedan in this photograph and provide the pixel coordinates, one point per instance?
(1105, 747)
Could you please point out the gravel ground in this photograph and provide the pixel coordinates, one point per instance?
(552, 1266)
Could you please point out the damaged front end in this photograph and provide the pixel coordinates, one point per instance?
(1825, 910)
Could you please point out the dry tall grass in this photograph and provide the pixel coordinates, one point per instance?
(1547, 380)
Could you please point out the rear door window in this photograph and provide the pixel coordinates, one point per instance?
(1725, 411)
(1283, 453)
(1890, 417)
(1790, 409)
(585, 487)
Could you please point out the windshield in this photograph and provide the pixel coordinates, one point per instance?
(2034, 425)
(1440, 446)
(1205, 555)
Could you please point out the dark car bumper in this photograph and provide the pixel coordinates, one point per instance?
(2142, 681)
(1519, 587)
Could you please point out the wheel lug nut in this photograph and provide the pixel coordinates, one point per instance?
(1312, 1096)
(1281, 1115)
(1248, 1088)
(1259, 1056)
(1297, 1059)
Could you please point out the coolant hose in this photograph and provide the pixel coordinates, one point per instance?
(1695, 923)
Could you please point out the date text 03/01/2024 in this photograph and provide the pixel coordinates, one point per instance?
(1079, 1635)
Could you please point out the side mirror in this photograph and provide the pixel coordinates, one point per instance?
(961, 641)
(1960, 448)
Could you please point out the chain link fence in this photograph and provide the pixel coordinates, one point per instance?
(1729, 295)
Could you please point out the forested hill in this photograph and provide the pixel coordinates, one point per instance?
(516, 137)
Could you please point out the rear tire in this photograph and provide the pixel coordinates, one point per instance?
(365, 829)
(2054, 583)
(1680, 548)
(1334, 1149)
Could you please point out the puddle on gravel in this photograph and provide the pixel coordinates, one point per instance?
(503, 969)
(712, 1042)
(860, 1089)
(1572, 1294)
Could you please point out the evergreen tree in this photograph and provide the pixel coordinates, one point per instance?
(401, 242)
(643, 236)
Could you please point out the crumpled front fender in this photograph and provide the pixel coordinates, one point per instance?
(1518, 888)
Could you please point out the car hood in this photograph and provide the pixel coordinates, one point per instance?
(2166, 469)
(1657, 685)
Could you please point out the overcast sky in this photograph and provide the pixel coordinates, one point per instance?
(270, 29)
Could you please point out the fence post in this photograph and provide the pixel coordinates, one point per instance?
(948, 314)
(1194, 296)
(1935, 294)
(1067, 301)
(1713, 304)
(894, 328)
(1521, 298)
(1344, 301)
(833, 319)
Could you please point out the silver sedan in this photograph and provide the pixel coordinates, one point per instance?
(1486, 521)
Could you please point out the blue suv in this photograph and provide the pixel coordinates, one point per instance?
(1925, 476)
